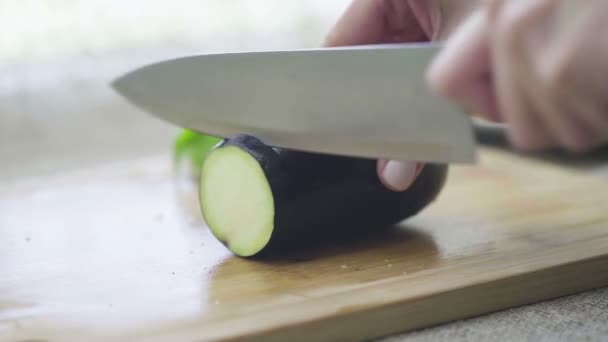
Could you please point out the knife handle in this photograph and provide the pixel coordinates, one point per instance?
(489, 133)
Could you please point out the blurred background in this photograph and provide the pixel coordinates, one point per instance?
(57, 58)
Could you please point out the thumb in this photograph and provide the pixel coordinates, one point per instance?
(462, 70)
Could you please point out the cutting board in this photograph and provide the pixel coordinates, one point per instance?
(120, 252)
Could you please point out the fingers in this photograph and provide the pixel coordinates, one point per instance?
(398, 175)
(397, 14)
(427, 13)
(377, 21)
(511, 62)
(562, 119)
(573, 106)
(373, 22)
(462, 71)
(594, 116)
(530, 82)
(361, 23)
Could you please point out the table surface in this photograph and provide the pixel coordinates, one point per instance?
(62, 116)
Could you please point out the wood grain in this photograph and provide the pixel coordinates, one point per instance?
(120, 252)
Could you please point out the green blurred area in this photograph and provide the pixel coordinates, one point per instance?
(193, 147)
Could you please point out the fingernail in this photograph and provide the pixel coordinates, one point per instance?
(399, 175)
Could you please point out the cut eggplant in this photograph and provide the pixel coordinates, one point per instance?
(258, 199)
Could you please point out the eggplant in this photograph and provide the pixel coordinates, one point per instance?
(257, 199)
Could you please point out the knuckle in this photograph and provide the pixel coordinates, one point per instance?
(505, 29)
(511, 24)
(578, 145)
(578, 148)
(525, 143)
(556, 74)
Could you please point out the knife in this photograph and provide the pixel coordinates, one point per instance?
(363, 101)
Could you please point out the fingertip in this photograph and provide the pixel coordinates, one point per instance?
(398, 175)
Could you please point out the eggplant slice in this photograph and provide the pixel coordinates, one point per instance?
(258, 199)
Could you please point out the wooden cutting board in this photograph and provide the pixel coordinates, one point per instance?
(120, 253)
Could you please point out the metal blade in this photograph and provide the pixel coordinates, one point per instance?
(365, 101)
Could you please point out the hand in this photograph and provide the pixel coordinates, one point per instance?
(397, 21)
(538, 65)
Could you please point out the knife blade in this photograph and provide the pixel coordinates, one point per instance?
(362, 101)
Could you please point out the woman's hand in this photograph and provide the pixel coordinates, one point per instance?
(386, 21)
(397, 21)
(541, 66)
